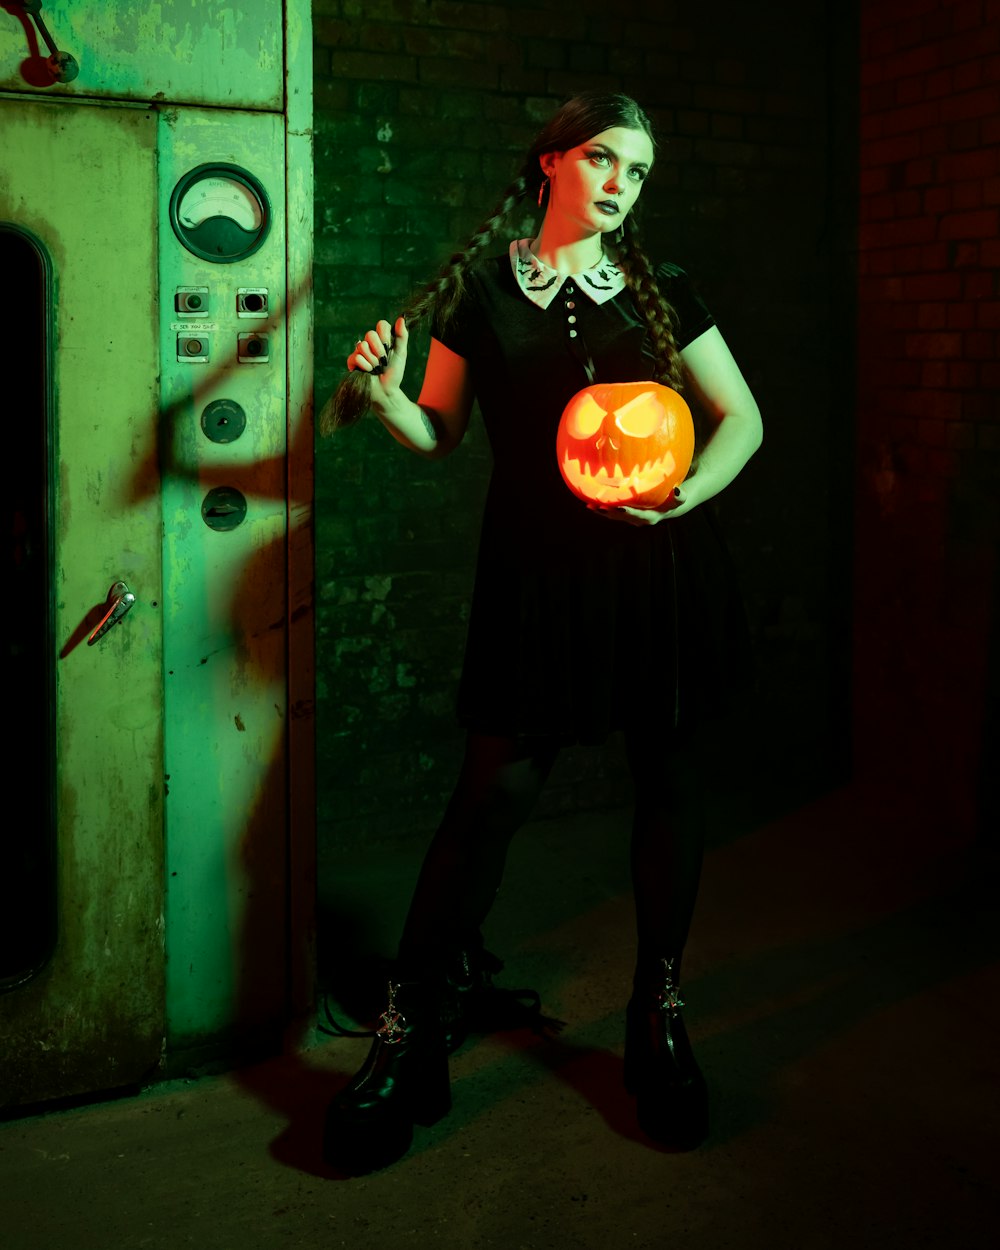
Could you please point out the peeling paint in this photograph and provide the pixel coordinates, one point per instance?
(172, 50)
(106, 1006)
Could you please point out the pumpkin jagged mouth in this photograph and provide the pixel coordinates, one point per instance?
(617, 484)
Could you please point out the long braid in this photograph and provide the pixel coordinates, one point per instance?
(659, 316)
(350, 401)
(443, 295)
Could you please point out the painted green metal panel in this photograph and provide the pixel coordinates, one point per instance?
(299, 210)
(225, 609)
(178, 51)
(185, 812)
(93, 1017)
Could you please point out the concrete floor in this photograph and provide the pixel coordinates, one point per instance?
(842, 994)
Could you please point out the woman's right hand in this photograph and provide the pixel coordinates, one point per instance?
(382, 354)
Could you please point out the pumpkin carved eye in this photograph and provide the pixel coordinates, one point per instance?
(586, 417)
(641, 416)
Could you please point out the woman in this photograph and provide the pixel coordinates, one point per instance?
(584, 619)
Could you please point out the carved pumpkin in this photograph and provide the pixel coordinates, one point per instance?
(625, 443)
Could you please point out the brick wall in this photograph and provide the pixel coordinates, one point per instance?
(423, 111)
(929, 418)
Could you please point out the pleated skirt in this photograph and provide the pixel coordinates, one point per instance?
(580, 625)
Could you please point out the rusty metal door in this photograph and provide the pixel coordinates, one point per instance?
(76, 183)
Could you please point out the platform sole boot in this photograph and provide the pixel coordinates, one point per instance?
(473, 1004)
(403, 1082)
(660, 1068)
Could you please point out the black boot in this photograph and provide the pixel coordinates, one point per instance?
(404, 1081)
(473, 1004)
(660, 1067)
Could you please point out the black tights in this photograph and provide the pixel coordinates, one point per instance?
(500, 781)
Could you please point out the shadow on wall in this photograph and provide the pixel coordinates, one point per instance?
(272, 953)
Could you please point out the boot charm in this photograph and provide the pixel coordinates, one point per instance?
(392, 1026)
(669, 997)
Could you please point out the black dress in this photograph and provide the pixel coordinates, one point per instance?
(581, 625)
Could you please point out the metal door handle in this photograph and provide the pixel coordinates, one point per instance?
(120, 599)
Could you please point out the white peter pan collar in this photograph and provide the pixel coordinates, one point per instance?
(541, 284)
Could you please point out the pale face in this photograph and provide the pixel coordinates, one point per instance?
(594, 186)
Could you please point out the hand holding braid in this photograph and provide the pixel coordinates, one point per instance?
(352, 398)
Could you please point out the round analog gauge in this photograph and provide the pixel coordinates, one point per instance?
(220, 213)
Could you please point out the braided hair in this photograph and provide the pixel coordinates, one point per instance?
(578, 120)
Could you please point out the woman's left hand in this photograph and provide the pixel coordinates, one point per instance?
(683, 499)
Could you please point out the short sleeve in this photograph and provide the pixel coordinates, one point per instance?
(457, 333)
(693, 316)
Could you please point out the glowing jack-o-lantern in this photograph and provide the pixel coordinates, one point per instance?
(625, 443)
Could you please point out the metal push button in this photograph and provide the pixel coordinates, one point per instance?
(193, 348)
(252, 349)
